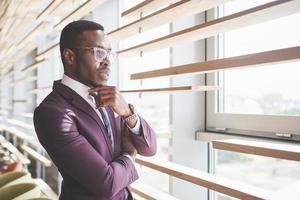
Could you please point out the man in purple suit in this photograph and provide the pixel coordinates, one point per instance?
(89, 131)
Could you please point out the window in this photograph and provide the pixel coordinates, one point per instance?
(263, 90)
(261, 100)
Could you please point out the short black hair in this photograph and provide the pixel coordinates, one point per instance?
(73, 30)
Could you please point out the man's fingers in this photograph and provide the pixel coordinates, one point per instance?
(108, 99)
(106, 102)
(105, 92)
(106, 96)
(110, 96)
(102, 88)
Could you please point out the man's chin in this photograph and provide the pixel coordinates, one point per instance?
(103, 82)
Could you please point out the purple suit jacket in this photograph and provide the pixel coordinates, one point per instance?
(74, 137)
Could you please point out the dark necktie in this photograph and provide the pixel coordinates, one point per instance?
(107, 125)
(106, 122)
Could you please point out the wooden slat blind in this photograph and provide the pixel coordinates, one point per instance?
(259, 14)
(256, 59)
(219, 184)
(178, 10)
(263, 148)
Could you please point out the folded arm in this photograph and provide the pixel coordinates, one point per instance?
(143, 137)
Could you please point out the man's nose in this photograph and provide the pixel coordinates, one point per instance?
(106, 61)
(105, 64)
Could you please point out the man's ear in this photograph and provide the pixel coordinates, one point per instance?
(69, 56)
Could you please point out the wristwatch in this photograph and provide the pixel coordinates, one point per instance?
(133, 116)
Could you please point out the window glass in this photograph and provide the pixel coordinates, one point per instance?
(261, 90)
(268, 90)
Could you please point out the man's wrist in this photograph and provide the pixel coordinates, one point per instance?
(127, 113)
(135, 127)
(131, 118)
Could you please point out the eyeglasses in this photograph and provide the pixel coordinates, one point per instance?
(100, 53)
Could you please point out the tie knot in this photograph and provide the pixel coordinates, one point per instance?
(93, 94)
(93, 97)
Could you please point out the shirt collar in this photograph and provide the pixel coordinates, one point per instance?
(78, 87)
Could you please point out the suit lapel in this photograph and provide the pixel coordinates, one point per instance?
(81, 104)
(85, 107)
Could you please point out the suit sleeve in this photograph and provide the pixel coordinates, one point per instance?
(145, 140)
(72, 153)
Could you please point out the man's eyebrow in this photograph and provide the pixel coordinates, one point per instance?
(103, 47)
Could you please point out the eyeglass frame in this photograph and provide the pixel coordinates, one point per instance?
(108, 53)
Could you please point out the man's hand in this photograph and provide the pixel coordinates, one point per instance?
(127, 145)
(110, 96)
